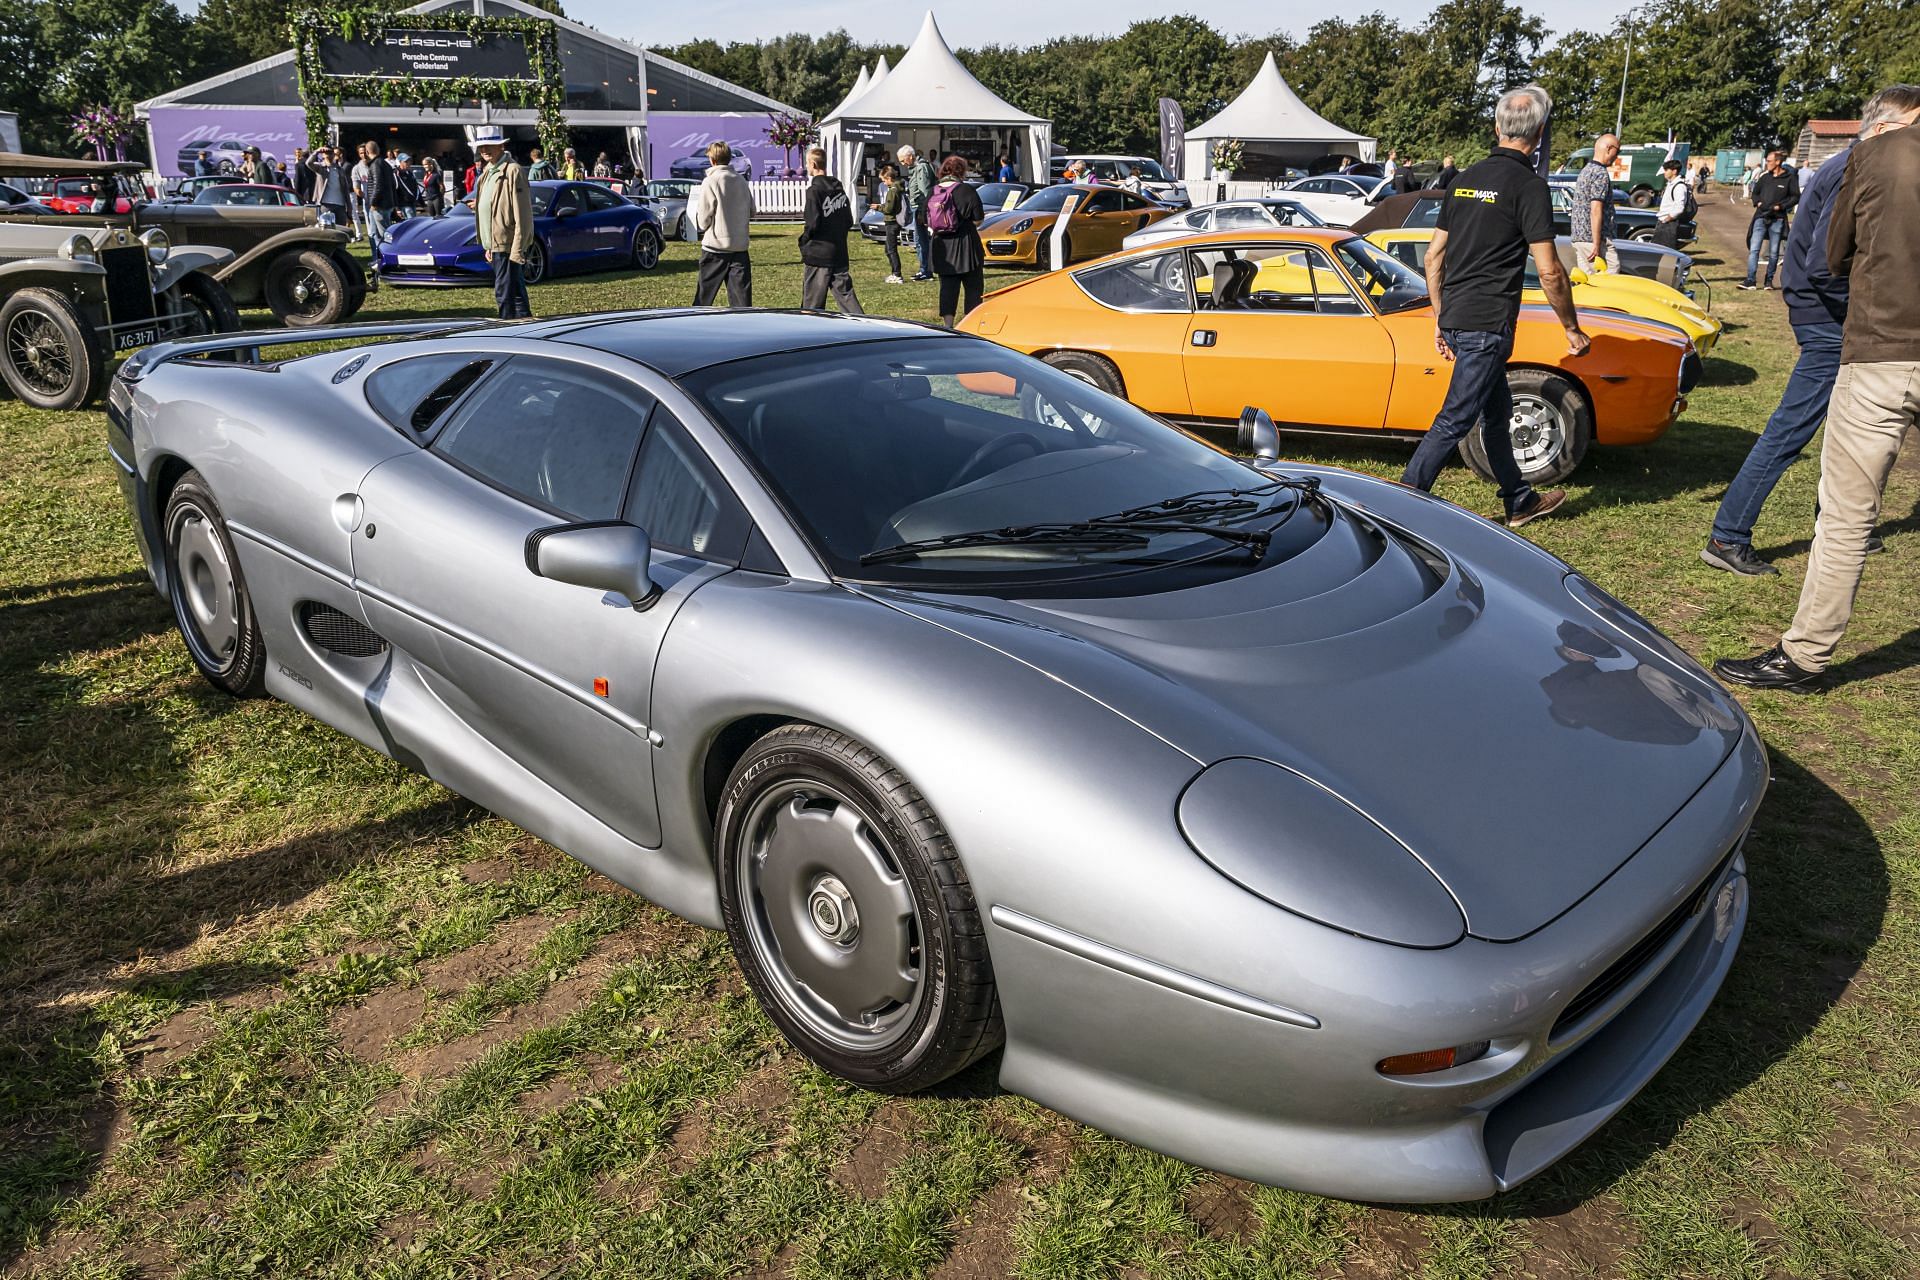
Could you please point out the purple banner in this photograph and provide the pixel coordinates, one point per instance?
(679, 142)
(180, 133)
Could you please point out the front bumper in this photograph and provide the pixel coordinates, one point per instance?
(445, 273)
(1240, 1088)
(1014, 250)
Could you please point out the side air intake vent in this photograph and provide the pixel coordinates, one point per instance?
(339, 633)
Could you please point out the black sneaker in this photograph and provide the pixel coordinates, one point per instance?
(1770, 670)
(1542, 504)
(1875, 544)
(1735, 557)
(1748, 284)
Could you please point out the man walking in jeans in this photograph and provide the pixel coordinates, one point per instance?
(503, 216)
(1775, 191)
(1817, 308)
(1874, 240)
(1494, 214)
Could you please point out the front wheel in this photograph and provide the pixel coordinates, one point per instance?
(208, 593)
(1048, 259)
(850, 914)
(208, 305)
(49, 356)
(1552, 427)
(308, 288)
(647, 247)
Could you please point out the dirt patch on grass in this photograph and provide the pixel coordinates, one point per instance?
(1222, 1207)
(507, 952)
(366, 1029)
(864, 1172)
(760, 1096)
(779, 1267)
(1591, 1239)
(984, 1249)
(592, 1074)
(171, 1041)
(1391, 1243)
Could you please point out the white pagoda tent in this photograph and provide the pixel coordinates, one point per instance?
(930, 101)
(1276, 128)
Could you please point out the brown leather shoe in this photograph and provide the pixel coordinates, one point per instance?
(1543, 504)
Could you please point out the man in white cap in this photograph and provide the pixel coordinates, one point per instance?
(503, 208)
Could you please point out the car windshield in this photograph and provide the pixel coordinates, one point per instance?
(1000, 195)
(542, 201)
(1047, 199)
(670, 190)
(1391, 283)
(902, 441)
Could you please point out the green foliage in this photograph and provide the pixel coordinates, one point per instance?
(59, 56)
(358, 20)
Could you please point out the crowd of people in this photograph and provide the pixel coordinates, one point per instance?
(1855, 318)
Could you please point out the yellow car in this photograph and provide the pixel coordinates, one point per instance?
(1023, 235)
(1597, 291)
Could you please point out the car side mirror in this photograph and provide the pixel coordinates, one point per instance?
(604, 555)
(1258, 436)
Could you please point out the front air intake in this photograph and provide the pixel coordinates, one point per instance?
(340, 633)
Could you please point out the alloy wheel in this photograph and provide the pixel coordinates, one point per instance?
(1538, 432)
(203, 589)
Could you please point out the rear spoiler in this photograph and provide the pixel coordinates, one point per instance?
(245, 348)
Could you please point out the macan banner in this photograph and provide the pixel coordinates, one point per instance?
(179, 134)
(677, 142)
(400, 53)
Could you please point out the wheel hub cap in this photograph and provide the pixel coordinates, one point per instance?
(1536, 432)
(831, 918)
(206, 588)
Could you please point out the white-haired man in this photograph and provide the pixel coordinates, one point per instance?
(1493, 216)
(918, 176)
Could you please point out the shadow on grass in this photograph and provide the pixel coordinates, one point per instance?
(1819, 890)
(1717, 371)
(89, 845)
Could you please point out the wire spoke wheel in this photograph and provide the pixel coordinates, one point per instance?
(38, 352)
(829, 915)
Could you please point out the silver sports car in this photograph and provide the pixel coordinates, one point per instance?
(1282, 819)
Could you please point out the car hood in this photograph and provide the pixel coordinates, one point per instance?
(1007, 217)
(1520, 731)
(445, 234)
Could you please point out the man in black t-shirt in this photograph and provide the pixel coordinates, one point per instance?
(1494, 214)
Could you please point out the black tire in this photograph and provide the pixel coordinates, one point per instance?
(308, 287)
(210, 304)
(50, 357)
(534, 269)
(1643, 235)
(356, 280)
(688, 232)
(208, 593)
(954, 1015)
(1536, 393)
(647, 248)
(1045, 254)
(1094, 370)
(1642, 197)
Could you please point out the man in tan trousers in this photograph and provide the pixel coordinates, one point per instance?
(1875, 241)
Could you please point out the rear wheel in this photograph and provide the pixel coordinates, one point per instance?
(534, 269)
(647, 247)
(1642, 197)
(209, 596)
(49, 356)
(307, 288)
(850, 914)
(1551, 429)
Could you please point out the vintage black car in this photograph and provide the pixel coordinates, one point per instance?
(74, 294)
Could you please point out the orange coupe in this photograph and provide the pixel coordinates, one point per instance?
(1023, 235)
(1326, 332)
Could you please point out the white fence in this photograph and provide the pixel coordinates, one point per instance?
(779, 195)
(1209, 191)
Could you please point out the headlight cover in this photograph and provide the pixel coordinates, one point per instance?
(78, 249)
(1020, 226)
(1289, 840)
(156, 242)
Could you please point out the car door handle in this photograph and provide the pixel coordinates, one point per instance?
(1204, 337)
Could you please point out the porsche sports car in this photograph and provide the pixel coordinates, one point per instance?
(577, 226)
(994, 196)
(668, 198)
(695, 166)
(1339, 199)
(1155, 181)
(227, 153)
(1229, 215)
(1023, 235)
(1596, 291)
(1326, 331)
(1295, 823)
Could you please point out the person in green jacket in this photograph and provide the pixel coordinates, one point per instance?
(539, 168)
(920, 182)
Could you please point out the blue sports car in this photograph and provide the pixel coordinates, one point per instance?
(577, 226)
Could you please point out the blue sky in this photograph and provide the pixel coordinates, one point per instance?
(977, 22)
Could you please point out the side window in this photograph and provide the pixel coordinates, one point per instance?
(601, 198)
(1317, 186)
(1426, 213)
(1240, 219)
(1413, 253)
(1104, 202)
(410, 394)
(680, 500)
(1154, 283)
(1285, 278)
(557, 435)
(566, 200)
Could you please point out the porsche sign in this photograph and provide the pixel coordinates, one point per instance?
(400, 53)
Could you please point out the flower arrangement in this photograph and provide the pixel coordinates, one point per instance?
(104, 129)
(791, 133)
(1228, 153)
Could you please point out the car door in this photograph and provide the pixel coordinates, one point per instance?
(568, 226)
(1292, 338)
(606, 224)
(1145, 306)
(556, 677)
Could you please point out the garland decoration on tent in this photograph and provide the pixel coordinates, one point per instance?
(361, 20)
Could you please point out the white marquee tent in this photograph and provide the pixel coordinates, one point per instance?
(1273, 123)
(928, 93)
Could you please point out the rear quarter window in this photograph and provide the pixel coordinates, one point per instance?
(412, 394)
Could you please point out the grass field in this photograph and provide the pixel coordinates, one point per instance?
(271, 1005)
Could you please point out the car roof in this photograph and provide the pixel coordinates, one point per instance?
(1327, 236)
(677, 342)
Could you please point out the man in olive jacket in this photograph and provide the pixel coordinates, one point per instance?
(1874, 240)
(503, 209)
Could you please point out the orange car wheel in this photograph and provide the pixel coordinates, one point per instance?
(1551, 428)
(1095, 371)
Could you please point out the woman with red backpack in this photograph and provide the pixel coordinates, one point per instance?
(953, 218)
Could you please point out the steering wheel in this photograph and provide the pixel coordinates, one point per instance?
(976, 466)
